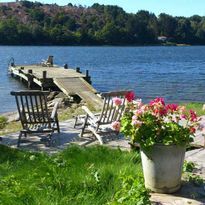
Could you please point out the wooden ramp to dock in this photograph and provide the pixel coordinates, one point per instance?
(80, 87)
(70, 81)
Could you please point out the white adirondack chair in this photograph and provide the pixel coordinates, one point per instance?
(99, 124)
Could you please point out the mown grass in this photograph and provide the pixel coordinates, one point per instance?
(74, 176)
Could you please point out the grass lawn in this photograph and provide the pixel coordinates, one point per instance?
(94, 175)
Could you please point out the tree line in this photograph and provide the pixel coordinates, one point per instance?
(35, 23)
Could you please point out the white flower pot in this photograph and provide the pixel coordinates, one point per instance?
(162, 168)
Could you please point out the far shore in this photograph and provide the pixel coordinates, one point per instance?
(114, 45)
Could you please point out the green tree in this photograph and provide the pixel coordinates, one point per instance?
(167, 25)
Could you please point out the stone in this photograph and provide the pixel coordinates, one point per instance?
(52, 95)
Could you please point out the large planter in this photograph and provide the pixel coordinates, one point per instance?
(162, 168)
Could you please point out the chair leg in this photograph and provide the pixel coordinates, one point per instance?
(94, 131)
(19, 139)
(84, 126)
(57, 123)
(76, 119)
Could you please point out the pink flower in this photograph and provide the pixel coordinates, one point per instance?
(134, 117)
(183, 116)
(139, 112)
(130, 96)
(116, 126)
(117, 101)
(138, 103)
(136, 123)
(157, 101)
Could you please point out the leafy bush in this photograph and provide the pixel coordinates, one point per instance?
(3, 122)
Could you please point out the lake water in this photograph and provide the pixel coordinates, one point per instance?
(175, 73)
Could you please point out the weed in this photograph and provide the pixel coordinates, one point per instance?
(195, 179)
(188, 166)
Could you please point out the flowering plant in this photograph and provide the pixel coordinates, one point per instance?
(156, 122)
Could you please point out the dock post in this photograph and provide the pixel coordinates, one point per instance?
(78, 70)
(44, 74)
(30, 71)
(30, 78)
(65, 66)
(87, 77)
(44, 78)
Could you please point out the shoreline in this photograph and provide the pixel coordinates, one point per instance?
(105, 45)
(11, 116)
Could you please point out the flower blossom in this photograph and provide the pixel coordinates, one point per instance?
(181, 109)
(157, 101)
(183, 116)
(192, 130)
(130, 96)
(138, 103)
(193, 116)
(136, 123)
(134, 117)
(172, 107)
(139, 112)
(117, 101)
(116, 126)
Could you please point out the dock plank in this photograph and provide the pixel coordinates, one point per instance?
(80, 87)
(52, 72)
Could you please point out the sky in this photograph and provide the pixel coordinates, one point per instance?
(172, 7)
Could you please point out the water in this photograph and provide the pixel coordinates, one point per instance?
(175, 73)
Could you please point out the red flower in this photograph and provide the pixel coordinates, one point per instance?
(160, 111)
(130, 96)
(172, 107)
(193, 116)
(192, 130)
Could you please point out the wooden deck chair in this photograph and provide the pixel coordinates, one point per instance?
(107, 116)
(48, 62)
(35, 116)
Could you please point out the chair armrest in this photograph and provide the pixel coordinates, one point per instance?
(89, 113)
(54, 111)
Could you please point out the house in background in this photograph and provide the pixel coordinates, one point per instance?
(162, 38)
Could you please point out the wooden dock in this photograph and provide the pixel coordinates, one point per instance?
(69, 81)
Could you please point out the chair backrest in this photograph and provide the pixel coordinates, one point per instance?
(32, 108)
(110, 112)
(49, 62)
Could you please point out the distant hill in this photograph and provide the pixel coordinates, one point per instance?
(26, 23)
